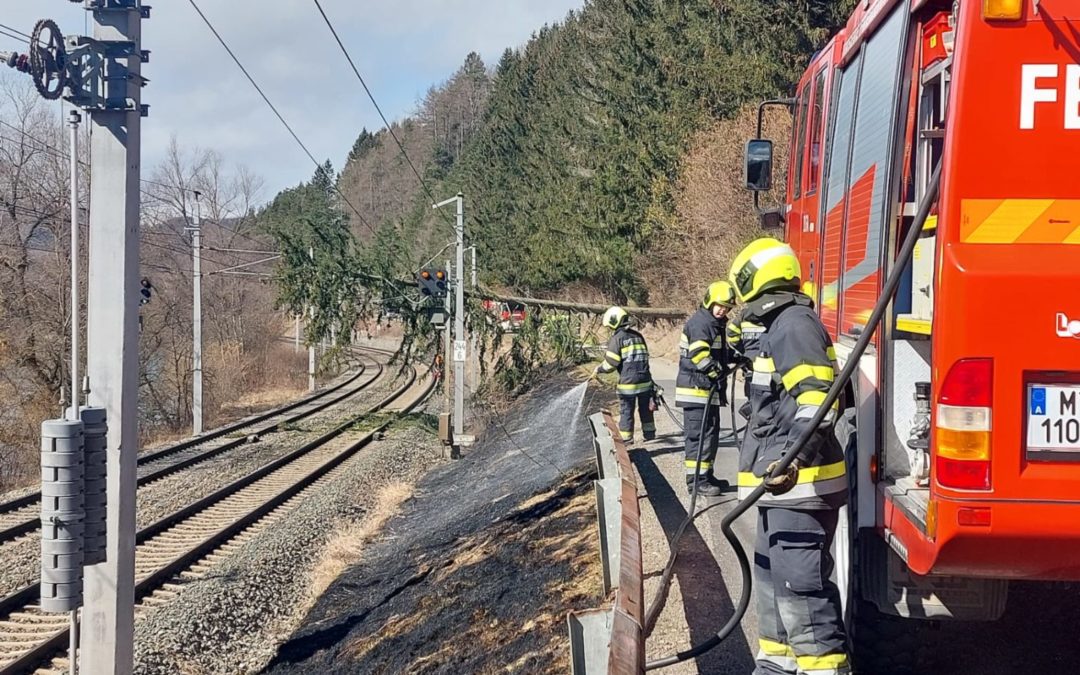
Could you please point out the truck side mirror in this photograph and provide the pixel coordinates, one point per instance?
(759, 159)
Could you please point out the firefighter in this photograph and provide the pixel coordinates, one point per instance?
(628, 353)
(743, 337)
(801, 627)
(703, 365)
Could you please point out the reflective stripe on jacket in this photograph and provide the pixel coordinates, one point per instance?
(792, 373)
(702, 350)
(745, 334)
(628, 353)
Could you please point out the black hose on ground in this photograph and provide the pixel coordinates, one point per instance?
(891, 284)
(660, 598)
(732, 433)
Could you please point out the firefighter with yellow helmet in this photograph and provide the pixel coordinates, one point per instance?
(700, 389)
(801, 624)
(628, 353)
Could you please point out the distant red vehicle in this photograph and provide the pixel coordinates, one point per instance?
(511, 315)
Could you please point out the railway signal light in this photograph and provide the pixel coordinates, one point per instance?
(145, 291)
(432, 282)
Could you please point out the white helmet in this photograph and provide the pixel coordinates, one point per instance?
(616, 317)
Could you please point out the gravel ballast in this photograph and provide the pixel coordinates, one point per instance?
(20, 560)
(230, 620)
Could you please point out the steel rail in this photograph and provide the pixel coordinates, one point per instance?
(42, 642)
(22, 512)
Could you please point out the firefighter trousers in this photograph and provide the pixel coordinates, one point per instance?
(801, 626)
(692, 419)
(627, 405)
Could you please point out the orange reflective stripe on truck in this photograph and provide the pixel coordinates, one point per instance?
(1020, 221)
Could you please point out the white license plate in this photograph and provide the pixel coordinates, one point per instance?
(1053, 417)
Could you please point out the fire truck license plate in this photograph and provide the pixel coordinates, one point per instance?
(1053, 417)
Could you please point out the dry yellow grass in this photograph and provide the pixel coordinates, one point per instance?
(347, 546)
(714, 211)
(267, 398)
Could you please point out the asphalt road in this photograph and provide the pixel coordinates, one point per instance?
(1032, 637)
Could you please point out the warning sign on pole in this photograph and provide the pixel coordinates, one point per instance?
(459, 350)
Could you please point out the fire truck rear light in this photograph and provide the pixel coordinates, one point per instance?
(963, 418)
(962, 474)
(970, 382)
(962, 425)
(973, 516)
(963, 445)
(1002, 10)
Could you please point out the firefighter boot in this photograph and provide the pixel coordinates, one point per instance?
(705, 486)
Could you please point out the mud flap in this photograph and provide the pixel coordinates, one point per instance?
(887, 582)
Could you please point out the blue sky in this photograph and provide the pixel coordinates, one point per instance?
(197, 94)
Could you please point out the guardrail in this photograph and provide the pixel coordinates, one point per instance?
(611, 640)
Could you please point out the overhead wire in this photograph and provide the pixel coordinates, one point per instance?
(27, 36)
(52, 218)
(274, 109)
(378, 109)
(62, 154)
(13, 36)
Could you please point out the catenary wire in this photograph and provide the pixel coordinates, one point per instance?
(375, 103)
(274, 109)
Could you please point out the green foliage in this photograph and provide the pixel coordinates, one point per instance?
(318, 274)
(569, 156)
(364, 144)
(573, 173)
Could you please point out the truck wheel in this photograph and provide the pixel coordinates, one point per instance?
(885, 644)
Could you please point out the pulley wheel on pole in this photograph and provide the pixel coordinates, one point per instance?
(48, 59)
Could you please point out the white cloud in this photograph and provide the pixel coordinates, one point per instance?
(198, 94)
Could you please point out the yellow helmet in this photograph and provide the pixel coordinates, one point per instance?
(616, 317)
(766, 263)
(719, 293)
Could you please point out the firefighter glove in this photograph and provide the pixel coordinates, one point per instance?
(784, 482)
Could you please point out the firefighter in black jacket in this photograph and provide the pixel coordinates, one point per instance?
(801, 624)
(628, 354)
(743, 337)
(703, 363)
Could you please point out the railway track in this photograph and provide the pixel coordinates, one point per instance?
(184, 544)
(19, 517)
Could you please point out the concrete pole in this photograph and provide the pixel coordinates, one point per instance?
(459, 322)
(474, 358)
(196, 303)
(447, 349)
(311, 346)
(73, 121)
(73, 411)
(113, 342)
(296, 335)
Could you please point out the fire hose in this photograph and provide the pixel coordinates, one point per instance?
(892, 282)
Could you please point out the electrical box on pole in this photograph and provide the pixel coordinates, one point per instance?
(95, 445)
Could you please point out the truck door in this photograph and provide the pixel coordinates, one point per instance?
(810, 240)
(797, 215)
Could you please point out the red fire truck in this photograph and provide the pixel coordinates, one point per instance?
(965, 460)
